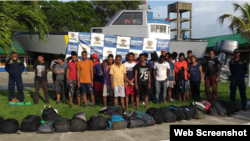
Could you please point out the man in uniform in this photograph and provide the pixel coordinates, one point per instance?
(238, 69)
(15, 68)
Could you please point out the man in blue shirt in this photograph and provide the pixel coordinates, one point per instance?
(15, 67)
(238, 69)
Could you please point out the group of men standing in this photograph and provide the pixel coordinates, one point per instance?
(137, 78)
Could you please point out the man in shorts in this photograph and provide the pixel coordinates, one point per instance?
(130, 89)
(85, 78)
(72, 80)
(118, 80)
(107, 90)
(142, 79)
(171, 80)
(98, 78)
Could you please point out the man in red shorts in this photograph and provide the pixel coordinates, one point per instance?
(130, 88)
(98, 77)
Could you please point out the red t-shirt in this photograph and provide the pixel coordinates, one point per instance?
(177, 66)
(72, 70)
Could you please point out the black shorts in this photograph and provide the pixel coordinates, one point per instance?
(143, 90)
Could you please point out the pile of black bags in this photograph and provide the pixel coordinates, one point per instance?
(118, 118)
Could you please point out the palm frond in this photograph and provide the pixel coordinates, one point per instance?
(244, 10)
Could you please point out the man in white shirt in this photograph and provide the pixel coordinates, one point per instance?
(161, 76)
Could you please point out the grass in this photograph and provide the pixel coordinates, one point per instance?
(20, 112)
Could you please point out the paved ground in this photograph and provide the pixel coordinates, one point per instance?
(28, 80)
(154, 133)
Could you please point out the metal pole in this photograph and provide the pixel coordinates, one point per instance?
(248, 75)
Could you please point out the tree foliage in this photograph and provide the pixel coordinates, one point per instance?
(106, 9)
(20, 16)
(69, 16)
(239, 24)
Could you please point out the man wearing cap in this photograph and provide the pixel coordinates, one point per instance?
(15, 68)
(238, 69)
(163, 52)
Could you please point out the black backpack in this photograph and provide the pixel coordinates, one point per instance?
(78, 125)
(148, 120)
(189, 112)
(219, 108)
(80, 115)
(30, 123)
(98, 122)
(9, 126)
(49, 114)
(109, 111)
(120, 111)
(168, 115)
(134, 122)
(230, 107)
(177, 111)
(61, 125)
(212, 111)
(156, 114)
(46, 128)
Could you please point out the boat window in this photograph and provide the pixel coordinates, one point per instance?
(153, 28)
(129, 18)
(158, 28)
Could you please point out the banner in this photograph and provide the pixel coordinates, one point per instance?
(103, 45)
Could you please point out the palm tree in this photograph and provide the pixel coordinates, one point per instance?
(20, 16)
(239, 24)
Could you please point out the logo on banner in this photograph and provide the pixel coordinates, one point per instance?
(72, 36)
(136, 54)
(109, 52)
(97, 40)
(72, 48)
(149, 44)
(123, 42)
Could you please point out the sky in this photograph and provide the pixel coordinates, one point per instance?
(204, 16)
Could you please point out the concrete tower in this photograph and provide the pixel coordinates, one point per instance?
(179, 8)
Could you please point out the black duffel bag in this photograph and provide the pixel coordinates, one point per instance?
(219, 108)
(230, 107)
(168, 115)
(9, 126)
(49, 114)
(189, 112)
(134, 122)
(177, 111)
(98, 122)
(30, 123)
(158, 115)
(61, 125)
(78, 125)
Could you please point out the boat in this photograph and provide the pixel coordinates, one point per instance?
(128, 23)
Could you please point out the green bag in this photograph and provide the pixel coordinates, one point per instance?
(199, 115)
(19, 103)
(12, 103)
(27, 103)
